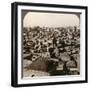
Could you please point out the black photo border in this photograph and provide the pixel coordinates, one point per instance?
(14, 43)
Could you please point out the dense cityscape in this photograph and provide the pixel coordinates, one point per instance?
(49, 51)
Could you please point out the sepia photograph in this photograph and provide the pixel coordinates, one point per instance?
(51, 43)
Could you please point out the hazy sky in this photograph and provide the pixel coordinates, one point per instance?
(50, 19)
